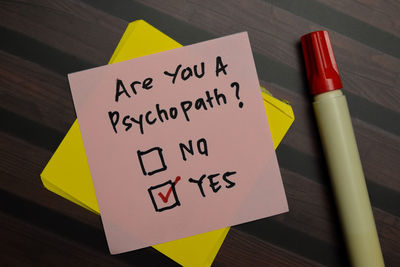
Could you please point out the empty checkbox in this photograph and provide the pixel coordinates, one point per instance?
(151, 161)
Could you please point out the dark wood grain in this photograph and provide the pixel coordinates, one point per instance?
(56, 24)
(32, 246)
(36, 93)
(383, 14)
(279, 39)
(43, 41)
(240, 247)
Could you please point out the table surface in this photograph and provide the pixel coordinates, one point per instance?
(43, 40)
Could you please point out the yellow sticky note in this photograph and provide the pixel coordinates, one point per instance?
(67, 173)
(280, 116)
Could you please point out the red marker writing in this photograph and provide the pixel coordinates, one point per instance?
(165, 198)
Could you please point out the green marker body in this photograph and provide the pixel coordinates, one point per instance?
(347, 178)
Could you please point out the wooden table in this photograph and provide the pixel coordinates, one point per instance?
(43, 40)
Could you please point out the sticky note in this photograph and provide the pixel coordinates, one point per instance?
(67, 173)
(178, 143)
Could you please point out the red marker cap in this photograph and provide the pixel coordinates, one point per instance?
(322, 71)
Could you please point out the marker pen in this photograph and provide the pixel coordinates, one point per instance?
(341, 153)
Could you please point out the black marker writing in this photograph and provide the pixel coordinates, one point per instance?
(213, 181)
(201, 148)
(219, 66)
(161, 114)
(187, 72)
(121, 90)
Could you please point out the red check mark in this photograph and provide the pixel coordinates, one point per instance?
(165, 198)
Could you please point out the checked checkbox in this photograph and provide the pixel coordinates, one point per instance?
(151, 161)
(163, 196)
